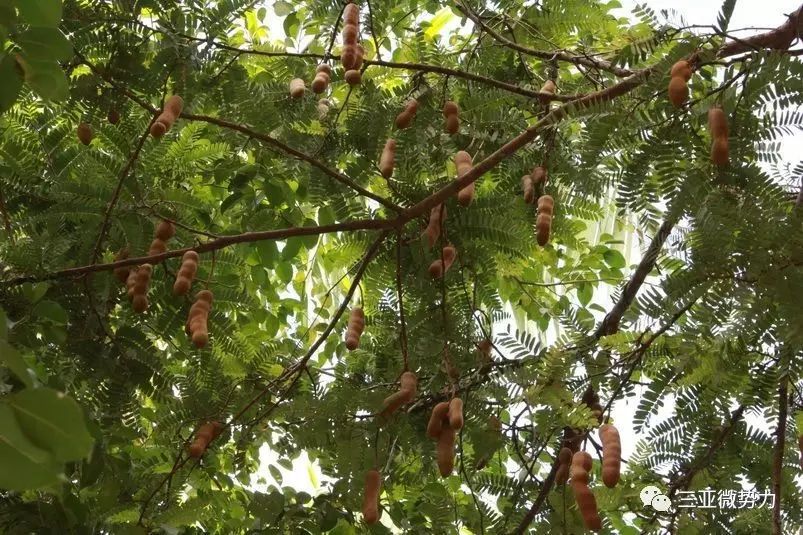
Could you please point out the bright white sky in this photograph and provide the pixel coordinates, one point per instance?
(748, 14)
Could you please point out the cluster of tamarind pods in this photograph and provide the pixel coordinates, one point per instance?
(678, 91)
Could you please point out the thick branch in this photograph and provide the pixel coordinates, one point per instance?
(586, 61)
(781, 38)
(777, 462)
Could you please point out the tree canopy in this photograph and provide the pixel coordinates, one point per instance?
(575, 209)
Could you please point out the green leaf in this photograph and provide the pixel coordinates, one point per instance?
(436, 25)
(614, 258)
(12, 82)
(585, 292)
(40, 12)
(282, 9)
(46, 78)
(23, 465)
(52, 311)
(13, 360)
(42, 44)
(53, 421)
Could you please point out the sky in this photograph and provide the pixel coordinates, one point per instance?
(748, 14)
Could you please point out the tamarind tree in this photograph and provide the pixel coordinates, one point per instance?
(197, 157)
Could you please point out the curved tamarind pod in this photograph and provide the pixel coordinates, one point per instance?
(85, 134)
(681, 69)
(353, 77)
(678, 91)
(718, 123)
(370, 501)
(170, 112)
(197, 448)
(433, 230)
(549, 87)
(611, 454)
(297, 88)
(456, 414)
(351, 13)
(350, 32)
(539, 176)
(113, 117)
(157, 247)
(449, 255)
(122, 272)
(437, 418)
(405, 118)
(528, 189)
(587, 505)
(436, 269)
(174, 104)
(393, 402)
(388, 158)
(165, 230)
(445, 451)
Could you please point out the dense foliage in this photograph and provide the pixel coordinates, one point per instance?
(295, 226)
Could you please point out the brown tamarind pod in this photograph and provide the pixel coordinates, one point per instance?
(165, 230)
(439, 267)
(175, 105)
(323, 75)
(348, 57)
(717, 123)
(186, 273)
(139, 300)
(466, 195)
(452, 124)
(405, 118)
(437, 419)
(681, 69)
(122, 272)
(580, 467)
(139, 303)
(350, 33)
(451, 113)
(678, 91)
(157, 247)
(436, 269)
(158, 129)
(433, 230)
(198, 317)
(549, 87)
(130, 281)
(445, 451)
(539, 176)
(353, 77)
(205, 434)
(388, 158)
(528, 189)
(114, 116)
(485, 346)
(356, 325)
(370, 501)
(562, 474)
(359, 56)
(587, 506)
(462, 161)
(546, 204)
(543, 222)
(409, 383)
(85, 134)
(406, 394)
(565, 456)
(351, 14)
(297, 88)
(611, 454)
(720, 152)
(456, 414)
(170, 112)
(450, 107)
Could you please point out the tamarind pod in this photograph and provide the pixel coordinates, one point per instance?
(393, 402)
(445, 451)
(181, 286)
(359, 57)
(543, 226)
(436, 419)
(370, 501)
(409, 382)
(462, 160)
(484, 347)
(456, 414)
(466, 195)
(587, 506)
(678, 91)
(165, 230)
(350, 32)
(324, 68)
(388, 158)
(681, 69)
(139, 302)
(158, 129)
(143, 279)
(204, 295)
(351, 13)
(404, 120)
(190, 256)
(320, 83)
(546, 204)
(353, 77)
(528, 189)
(205, 431)
(565, 456)
(411, 106)
(114, 116)
(167, 119)
(157, 247)
(450, 108)
(122, 272)
(200, 338)
(720, 152)
(562, 475)
(85, 134)
(297, 88)
(348, 57)
(357, 319)
(197, 448)
(130, 282)
(539, 175)
(174, 104)
(449, 255)
(433, 230)
(611, 454)
(352, 341)
(582, 461)
(717, 123)
(436, 269)
(549, 87)
(452, 124)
